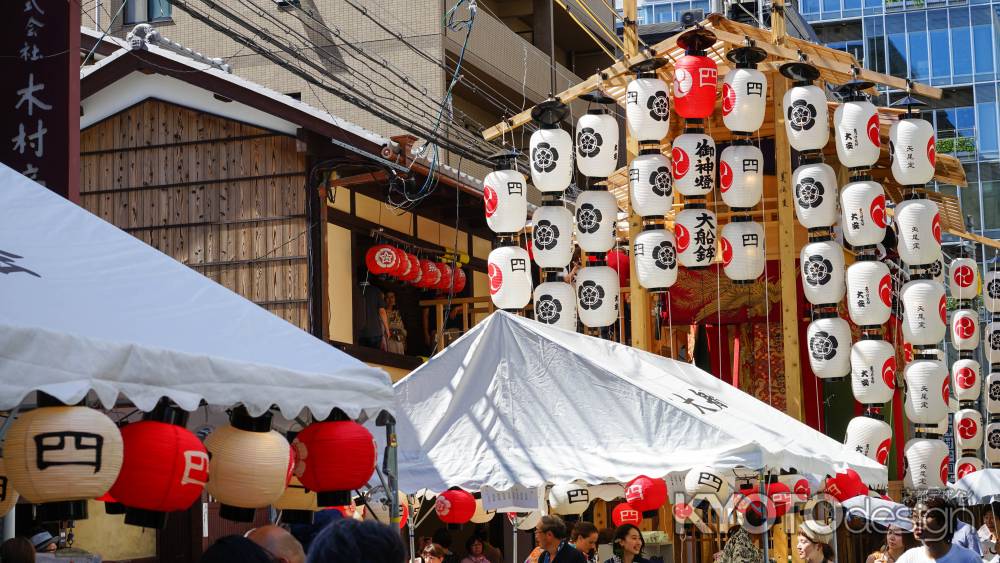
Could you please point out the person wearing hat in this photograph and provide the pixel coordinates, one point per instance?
(814, 543)
(44, 542)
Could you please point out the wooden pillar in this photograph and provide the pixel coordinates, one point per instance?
(542, 12)
(786, 234)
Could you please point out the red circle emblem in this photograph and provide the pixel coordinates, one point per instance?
(683, 511)
(885, 290)
(943, 309)
(936, 227)
(681, 162)
(907, 352)
(944, 391)
(965, 378)
(965, 327)
(878, 211)
(727, 252)
(873, 135)
(963, 276)
(964, 469)
(882, 454)
(725, 176)
(967, 428)
(944, 470)
(683, 237)
(889, 372)
(728, 98)
(490, 200)
(496, 278)
(932, 151)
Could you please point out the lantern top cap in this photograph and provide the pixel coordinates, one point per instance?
(598, 97)
(909, 102)
(648, 65)
(853, 89)
(505, 159)
(749, 55)
(696, 40)
(799, 71)
(550, 112)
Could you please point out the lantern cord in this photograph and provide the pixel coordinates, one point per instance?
(718, 269)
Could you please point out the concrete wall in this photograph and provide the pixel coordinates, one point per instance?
(109, 537)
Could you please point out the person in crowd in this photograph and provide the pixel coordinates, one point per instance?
(813, 544)
(551, 535)
(397, 330)
(432, 553)
(492, 553)
(934, 527)
(988, 534)
(965, 536)
(627, 545)
(228, 549)
(739, 548)
(354, 541)
(584, 539)
(897, 542)
(43, 541)
(278, 542)
(443, 538)
(306, 533)
(17, 550)
(373, 328)
(474, 551)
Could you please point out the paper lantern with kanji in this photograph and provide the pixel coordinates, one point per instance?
(597, 140)
(804, 106)
(447, 277)
(555, 304)
(455, 506)
(596, 213)
(695, 76)
(823, 272)
(647, 103)
(482, 516)
(655, 253)
(870, 437)
(460, 279)
(963, 278)
(965, 330)
(430, 274)
(829, 342)
(991, 346)
(693, 163)
(815, 191)
(919, 231)
(800, 486)
(966, 465)
(505, 200)
(923, 312)
(707, 481)
(250, 465)
(694, 231)
(873, 371)
(509, 272)
(992, 384)
(552, 235)
(966, 380)
(569, 499)
(650, 188)
(60, 457)
(926, 391)
(862, 204)
(624, 513)
(991, 291)
(912, 149)
(597, 289)
(743, 250)
(551, 153)
(297, 504)
(744, 91)
(8, 496)
(992, 444)
(381, 506)
(846, 485)
(333, 458)
(968, 425)
(926, 463)
(869, 291)
(646, 494)
(856, 125)
(382, 259)
(741, 175)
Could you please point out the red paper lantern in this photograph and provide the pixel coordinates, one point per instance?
(402, 264)
(695, 76)
(414, 270)
(333, 458)
(618, 261)
(625, 513)
(460, 280)
(781, 496)
(646, 494)
(444, 284)
(382, 259)
(431, 274)
(455, 506)
(848, 485)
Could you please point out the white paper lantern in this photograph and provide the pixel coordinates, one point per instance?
(968, 424)
(926, 391)
(912, 150)
(655, 255)
(505, 197)
(650, 188)
(551, 159)
(528, 521)
(806, 117)
(705, 480)
(857, 128)
(991, 346)
(596, 213)
(965, 330)
(509, 269)
(966, 465)
(869, 292)
(823, 272)
(863, 205)
(693, 163)
(694, 230)
(8, 496)
(552, 235)
(744, 99)
(873, 371)
(963, 278)
(482, 516)
(743, 250)
(647, 103)
(815, 194)
(966, 380)
(992, 442)
(923, 312)
(597, 144)
(991, 291)
(597, 289)
(569, 499)
(829, 341)
(926, 463)
(741, 175)
(992, 384)
(918, 227)
(870, 437)
(555, 304)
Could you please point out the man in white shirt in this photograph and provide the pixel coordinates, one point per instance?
(934, 525)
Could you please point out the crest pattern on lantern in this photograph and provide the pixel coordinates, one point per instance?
(650, 187)
(966, 378)
(822, 265)
(597, 289)
(552, 236)
(597, 144)
(551, 152)
(815, 191)
(655, 252)
(596, 213)
(806, 117)
(555, 304)
(829, 342)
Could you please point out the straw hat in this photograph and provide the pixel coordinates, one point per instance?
(814, 535)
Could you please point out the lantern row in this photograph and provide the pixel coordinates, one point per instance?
(388, 260)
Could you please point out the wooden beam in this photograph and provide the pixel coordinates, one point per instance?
(975, 238)
(357, 179)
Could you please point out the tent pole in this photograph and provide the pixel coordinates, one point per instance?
(764, 537)
(412, 531)
(513, 527)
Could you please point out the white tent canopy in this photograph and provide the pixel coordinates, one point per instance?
(516, 402)
(85, 306)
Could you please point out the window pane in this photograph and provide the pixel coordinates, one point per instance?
(986, 131)
(135, 12)
(872, 6)
(852, 4)
(895, 27)
(700, 5)
(969, 196)
(810, 6)
(831, 8)
(961, 55)
(875, 44)
(661, 13)
(937, 23)
(916, 29)
(159, 9)
(982, 33)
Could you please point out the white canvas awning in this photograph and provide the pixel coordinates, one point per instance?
(516, 402)
(85, 306)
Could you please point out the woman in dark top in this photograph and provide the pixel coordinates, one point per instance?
(628, 545)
